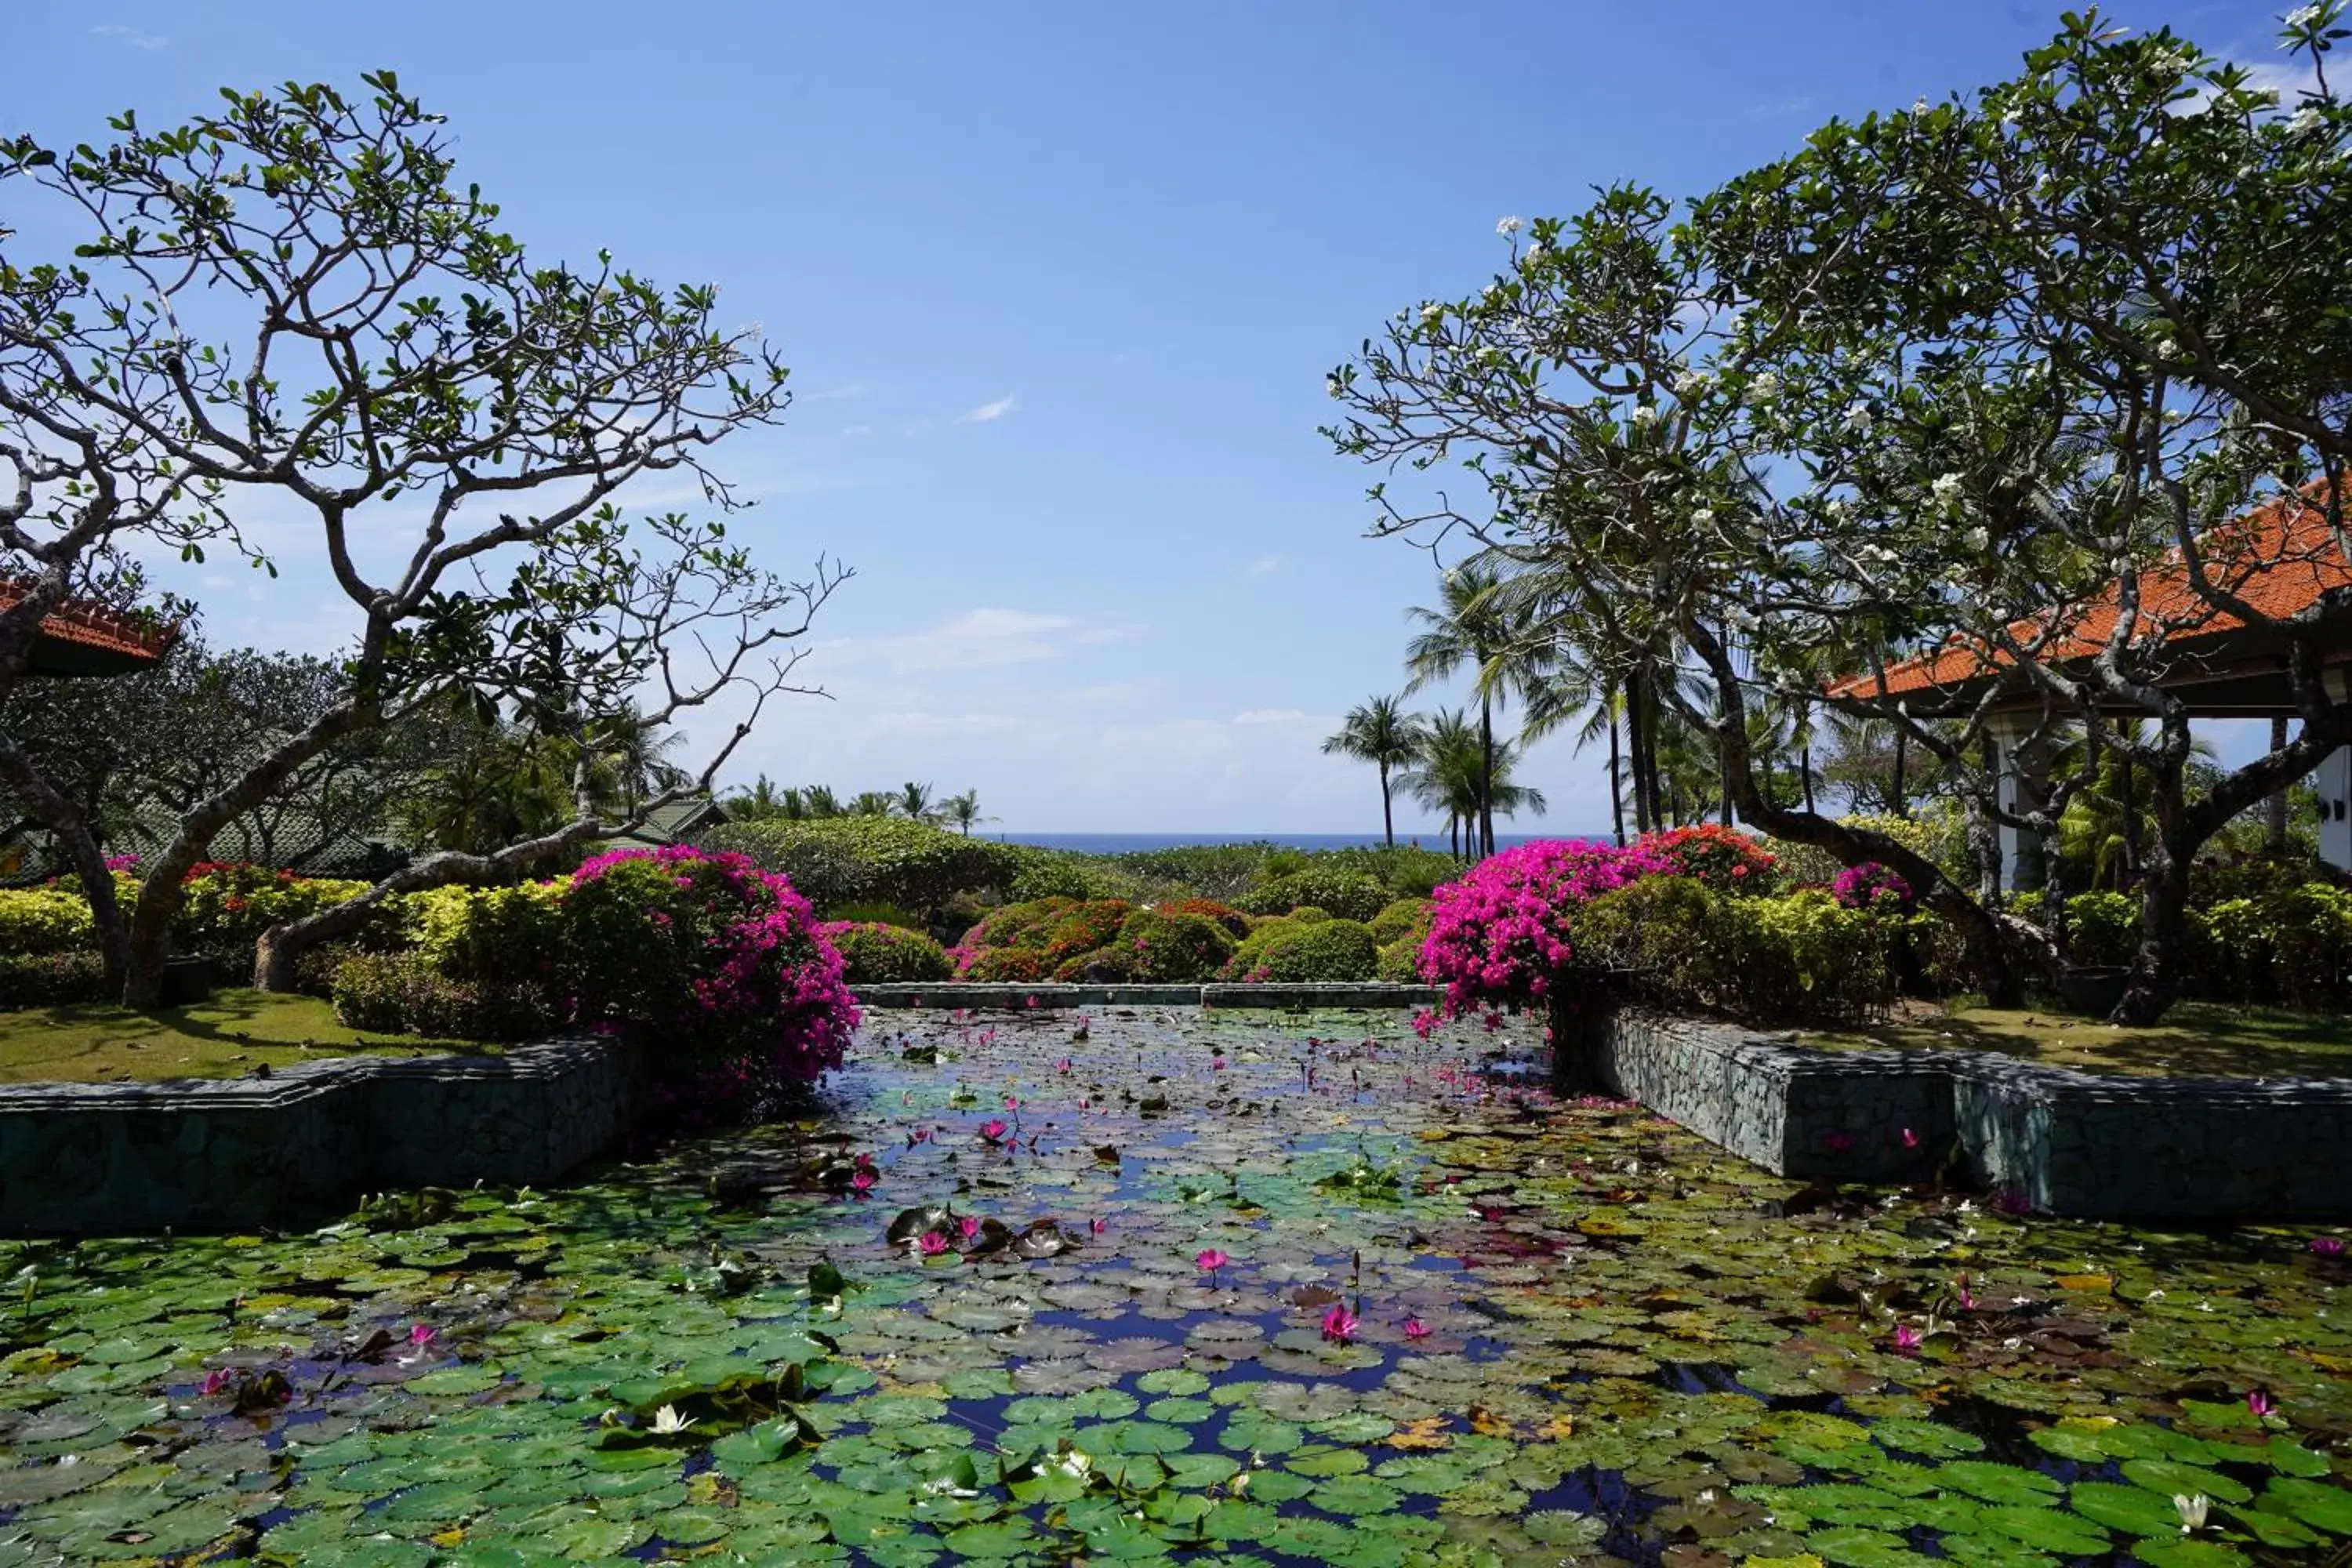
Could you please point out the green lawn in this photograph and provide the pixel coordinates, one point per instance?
(2195, 1038)
(232, 1035)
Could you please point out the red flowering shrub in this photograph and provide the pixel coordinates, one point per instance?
(1083, 928)
(1723, 858)
(228, 906)
(1225, 915)
(710, 950)
(1004, 965)
(1500, 934)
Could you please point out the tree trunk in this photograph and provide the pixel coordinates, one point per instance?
(1388, 817)
(1616, 784)
(1896, 804)
(2163, 935)
(1486, 778)
(1633, 733)
(2274, 806)
(1805, 770)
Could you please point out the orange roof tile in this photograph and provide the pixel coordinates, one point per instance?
(2281, 559)
(94, 626)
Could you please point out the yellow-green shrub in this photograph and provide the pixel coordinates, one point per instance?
(44, 920)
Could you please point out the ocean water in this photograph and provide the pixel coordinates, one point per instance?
(1128, 843)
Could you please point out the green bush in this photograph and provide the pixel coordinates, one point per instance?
(1407, 871)
(2102, 928)
(1307, 915)
(1054, 874)
(1161, 947)
(1350, 895)
(402, 993)
(227, 907)
(487, 933)
(51, 979)
(1399, 961)
(45, 920)
(1405, 917)
(887, 914)
(1795, 957)
(1291, 954)
(2291, 945)
(874, 952)
(843, 861)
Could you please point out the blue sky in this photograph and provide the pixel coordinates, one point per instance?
(1059, 284)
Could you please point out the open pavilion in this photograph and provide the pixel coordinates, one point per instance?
(2284, 560)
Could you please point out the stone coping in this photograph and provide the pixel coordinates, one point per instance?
(992, 995)
(2054, 1139)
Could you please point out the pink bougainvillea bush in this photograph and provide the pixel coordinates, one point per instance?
(709, 950)
(1870, 886)
(1499, 935)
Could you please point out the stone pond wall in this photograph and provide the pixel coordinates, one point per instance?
(2090, 1144)
(133, 1158)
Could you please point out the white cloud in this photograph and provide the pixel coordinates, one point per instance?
(987, 413)
(132, 35)
(1271, 716)
(1264, 566)
(981, 639)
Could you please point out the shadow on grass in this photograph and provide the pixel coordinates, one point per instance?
(2198, 1039)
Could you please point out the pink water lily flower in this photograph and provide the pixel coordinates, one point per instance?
(2327, 1245)
(932, 1244)
(1100, 1225)
(1339, 1324)
(1907, 1338)
(1061, 1065)
(421, 1334)
(863, 1181)
(216, 1382)
(991, 1130)
(2260, 1403)
(1910, 1138)
(1210, 1260)
(970, 1225)
(1414, 1329)
(1012, 1102)
(1216, 1064)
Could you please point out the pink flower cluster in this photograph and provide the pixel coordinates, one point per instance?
(756, 966)
(1500, 934)
(1864, 886)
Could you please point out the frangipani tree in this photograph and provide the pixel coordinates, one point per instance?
(294, 299)
(1957, 377)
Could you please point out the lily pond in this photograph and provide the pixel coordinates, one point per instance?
(1210, 1288)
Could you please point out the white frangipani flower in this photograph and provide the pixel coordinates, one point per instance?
(1534, 251)
(2305, 121)
(2305, 15)
(1946, 488)
(1433, 311)
(1765, 388)
(2167, 348)
(1976, 539)
(1858, 418)
(1703, 516)
(1645, 413)
(1509, 225)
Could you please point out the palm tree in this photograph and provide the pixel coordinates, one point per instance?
(636, 754)
(1453, 776)
(1478, 626)
(963, 810)
(761, 802)
(1588, 696)
(1380, 732)
(871, 803)
(817, 802)
(914, 803)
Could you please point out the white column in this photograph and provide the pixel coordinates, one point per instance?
(2333, 780)
(2019, 788)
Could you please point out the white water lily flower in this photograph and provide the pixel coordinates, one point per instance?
(668, 1423)
(1073, 1464)
(2192, 1510)
(946, 1487)
(1509, 225)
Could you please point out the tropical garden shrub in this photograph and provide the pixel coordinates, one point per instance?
(874, 952)
(836, 862)
(1796, 957)
(45, 920)
(1405, 917)
(1289, 953)
(887, 914)
(1050, 874)
(406, 994)
(1869, 885)
(488, 933)
(1235, 922)
(1350, 895)
(1166, 947)
(1723, 858)
(227, 906)
(1005, 965)
(2102, 928)
(1399, 961)
(1305, 915)
(709, 948)
(1937, 831)
(2293, 945)
(51, 979)
(1500, 935)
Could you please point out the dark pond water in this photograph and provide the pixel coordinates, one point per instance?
(1455, 1323)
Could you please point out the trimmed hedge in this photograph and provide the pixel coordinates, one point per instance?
(1288, 953)
(1800, 957)
(839, 861)
(1403, 918)
(1350, 895)
(875, 954)
(1157, 947)
(403, 994)
(44, 920)
(51, 979)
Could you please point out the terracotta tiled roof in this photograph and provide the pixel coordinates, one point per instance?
(2280, 559)
(93, 627)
